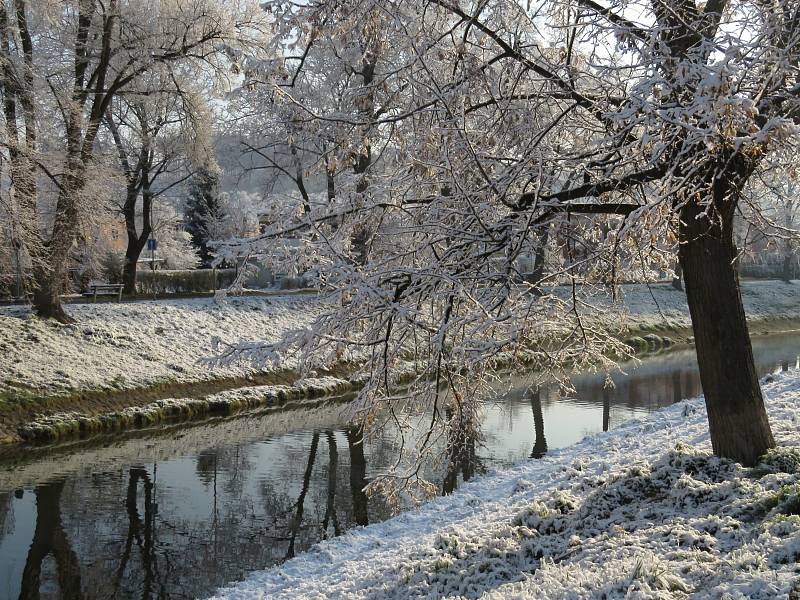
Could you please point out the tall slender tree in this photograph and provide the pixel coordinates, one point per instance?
(148, 132)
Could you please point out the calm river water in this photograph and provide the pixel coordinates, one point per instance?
(177, 512)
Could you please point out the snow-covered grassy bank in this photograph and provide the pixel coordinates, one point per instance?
(661, 304)
(134, 354)
(60, 426)
(124, 345)
(644, 511)
(131, 345)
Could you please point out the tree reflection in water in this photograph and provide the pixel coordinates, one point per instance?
(606, 408)
(299, 505)
(50, 539)
(138, 530)
(6, 513)
(462, 458)
(358, 475)
(677, 387)
(330, 505)
(115, 517)
(540, 442)
(220, 511)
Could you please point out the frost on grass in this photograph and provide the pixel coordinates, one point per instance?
(645, 511)
(127, 345)
(60, 426)
(684, 523)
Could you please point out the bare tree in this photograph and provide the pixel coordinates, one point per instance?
(771, 207)
(148, 133)
(20, 129)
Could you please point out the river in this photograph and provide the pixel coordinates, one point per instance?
(177, 511)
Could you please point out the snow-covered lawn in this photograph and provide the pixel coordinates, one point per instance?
(660, 304)
(644, 511)
(139, 343)
(119, 346)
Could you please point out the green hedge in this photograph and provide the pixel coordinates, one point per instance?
(184, 281)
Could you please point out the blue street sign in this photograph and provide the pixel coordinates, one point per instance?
(152, 244)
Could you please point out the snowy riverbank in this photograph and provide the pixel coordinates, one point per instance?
(140, 354)
(131, 345)
(643, 511)
(134, 344)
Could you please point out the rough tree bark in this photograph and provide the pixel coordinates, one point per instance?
(51, 277)
(19, 87)
(736, 414)
(80, 134)
(362, 161)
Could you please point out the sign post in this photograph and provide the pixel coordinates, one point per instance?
(152, 244)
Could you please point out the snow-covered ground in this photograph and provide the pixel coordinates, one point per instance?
(123, 345)
(661, 304)
(644, 511)
(120, 346)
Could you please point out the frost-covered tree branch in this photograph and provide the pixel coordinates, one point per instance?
(523, 161)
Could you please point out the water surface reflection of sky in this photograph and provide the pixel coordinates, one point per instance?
(176, 513)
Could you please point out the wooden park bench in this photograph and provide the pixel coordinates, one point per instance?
(104, 289)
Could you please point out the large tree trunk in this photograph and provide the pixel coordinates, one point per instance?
(736, 414)
(80, 133)
(23, 190)
(51, 278)
(132, 253)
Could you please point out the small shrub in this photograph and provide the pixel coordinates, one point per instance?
(291, 283)
(111, 264)
(639, 344)
(785, 501)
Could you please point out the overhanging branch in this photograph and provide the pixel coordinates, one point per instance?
(593, 189)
